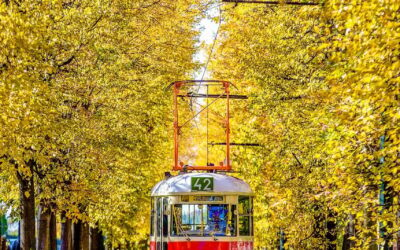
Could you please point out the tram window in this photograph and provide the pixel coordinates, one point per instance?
(165, 217)
(244, 225)
(244, 205)
(152, 217)
(159, 217)
(245, 214)
(217, 220)
(202, 220)
(232, 221)
(251, 217)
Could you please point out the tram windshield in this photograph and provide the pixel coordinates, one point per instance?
(203, 220)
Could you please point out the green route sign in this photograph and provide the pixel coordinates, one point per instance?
(202, 183)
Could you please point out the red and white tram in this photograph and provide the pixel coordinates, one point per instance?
(206, 210)
(201, 211)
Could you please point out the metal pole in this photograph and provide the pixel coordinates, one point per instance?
(176, 125)
(281, 240)
(228, 164)
(207, 130)
(382, 199)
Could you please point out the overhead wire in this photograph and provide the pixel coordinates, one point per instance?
(203, 75)
(213, 44)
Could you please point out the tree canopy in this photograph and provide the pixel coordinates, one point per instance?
(324, 88)
(86, 123)
(82, 97)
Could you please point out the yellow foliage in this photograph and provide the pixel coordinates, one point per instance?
(82, 95)
(324, 87)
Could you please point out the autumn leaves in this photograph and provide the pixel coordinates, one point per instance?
(84, 118)
(324, 88)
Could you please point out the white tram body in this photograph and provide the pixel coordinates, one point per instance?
(202, 211)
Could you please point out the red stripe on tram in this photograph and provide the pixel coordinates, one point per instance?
(208, 245)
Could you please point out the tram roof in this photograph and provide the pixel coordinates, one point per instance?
(181, 185)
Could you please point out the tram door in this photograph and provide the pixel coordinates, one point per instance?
(162, 223)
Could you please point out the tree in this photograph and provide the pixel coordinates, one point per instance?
(323, 87)
(85, 111)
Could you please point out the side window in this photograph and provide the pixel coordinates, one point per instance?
(159, 216)
(165, 216)
(232, 222)
(245, 214)
(152, 217)
(251, 217)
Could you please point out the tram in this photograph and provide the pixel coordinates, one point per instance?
(202, 211)
(202, 207)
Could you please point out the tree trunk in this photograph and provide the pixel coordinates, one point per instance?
(319, 225)
(3, 243)
(53, 231)
(396, 244)
(80, 236)
(350, 231)
(84, 244)
(66, 233)
(27, 200)
(96, 239)
(331, 231)
(76, 234)
(43, 241)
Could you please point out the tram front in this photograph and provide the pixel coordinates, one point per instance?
(202, 211)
